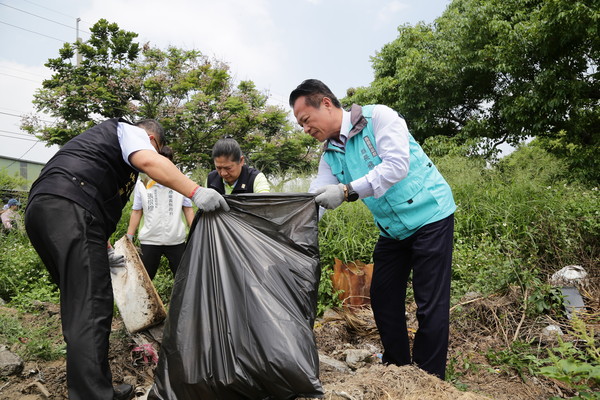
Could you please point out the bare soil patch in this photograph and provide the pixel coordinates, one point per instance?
(480, 326)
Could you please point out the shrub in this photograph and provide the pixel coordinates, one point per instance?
(21, 270)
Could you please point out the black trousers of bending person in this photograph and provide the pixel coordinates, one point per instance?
(72, 244)
(151, 255)
(428, 253)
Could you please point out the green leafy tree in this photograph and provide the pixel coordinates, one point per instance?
(194, 97)
(79, 96)
(499, 71)
(8, 182)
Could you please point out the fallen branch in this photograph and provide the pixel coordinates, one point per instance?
(522, 316)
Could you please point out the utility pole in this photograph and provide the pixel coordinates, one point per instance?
(78, 40)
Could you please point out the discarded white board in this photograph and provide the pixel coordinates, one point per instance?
(135, 295)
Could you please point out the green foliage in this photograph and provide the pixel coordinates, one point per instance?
(576, 365)
(508, 202)
(100, 86)
(32, 342)
(163, 281)
(519, 357)
(22, 274)
(8, 182)
(458, 367)
(194, 97)
(500, 71)
(347, 233)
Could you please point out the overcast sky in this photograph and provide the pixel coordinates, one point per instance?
(275, 43)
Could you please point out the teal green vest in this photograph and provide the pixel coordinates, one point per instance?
(421, 198)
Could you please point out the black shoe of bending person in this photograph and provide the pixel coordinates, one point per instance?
(123, 392)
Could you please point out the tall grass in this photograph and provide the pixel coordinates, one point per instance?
(517, 221)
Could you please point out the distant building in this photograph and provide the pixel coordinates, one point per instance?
(24, 156)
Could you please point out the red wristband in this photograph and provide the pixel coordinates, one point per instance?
(194, 191)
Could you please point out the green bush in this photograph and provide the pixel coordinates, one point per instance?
(21, 270)
(525, 210)
(347, 233)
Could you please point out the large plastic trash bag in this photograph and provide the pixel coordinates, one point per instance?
(243, 304)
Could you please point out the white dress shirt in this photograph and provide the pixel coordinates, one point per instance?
(392, 144)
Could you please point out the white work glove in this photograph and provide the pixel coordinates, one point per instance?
(330, 196)
(130, 237)
(115, 260)
(209, 200)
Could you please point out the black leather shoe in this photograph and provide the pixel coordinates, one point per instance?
(123, 392)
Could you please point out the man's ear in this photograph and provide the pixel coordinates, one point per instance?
(242, 159)
(327, 102)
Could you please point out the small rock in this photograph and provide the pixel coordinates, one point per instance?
(10, 363)
(551, 333)
(356, 358)
(571, 275)
(339, 396)
(41, 389)
(552, 330)
(130, 380)
(469, 296)
(332, 362)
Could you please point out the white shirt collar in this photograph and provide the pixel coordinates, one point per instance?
(344, 130)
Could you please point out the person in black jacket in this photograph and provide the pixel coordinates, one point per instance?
(231, 175)
(73, 208)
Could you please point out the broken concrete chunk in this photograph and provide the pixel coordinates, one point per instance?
(10, 363)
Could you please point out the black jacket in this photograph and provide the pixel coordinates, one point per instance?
(244, 184)
(90, 171)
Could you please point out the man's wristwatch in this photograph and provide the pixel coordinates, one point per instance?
(349, 193)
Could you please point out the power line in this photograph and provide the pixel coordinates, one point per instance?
(35, 15)
(19, 116)
(37, 33)
(49, 9)
(23, 71)
(12, 115)
(54, 11)
(18, 77)
(21, 157)
(20, 138)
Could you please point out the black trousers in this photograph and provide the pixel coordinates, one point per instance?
(72, 244)
(428, 253)
(151, 255)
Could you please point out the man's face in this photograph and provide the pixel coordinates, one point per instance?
(227, 169)
(321, 123)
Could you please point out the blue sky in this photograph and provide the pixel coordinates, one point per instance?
(275, 43)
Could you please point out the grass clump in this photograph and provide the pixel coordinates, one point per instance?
(32, 340)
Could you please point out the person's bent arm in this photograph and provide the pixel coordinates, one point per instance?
(188, 213)
(163, 171)
(134, 222)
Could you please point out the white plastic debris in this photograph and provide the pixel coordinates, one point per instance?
(551, 331)
(135, 295)
(571, 275)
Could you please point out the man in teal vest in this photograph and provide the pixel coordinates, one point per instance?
(369, 154)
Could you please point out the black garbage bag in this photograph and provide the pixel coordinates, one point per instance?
(243, 305)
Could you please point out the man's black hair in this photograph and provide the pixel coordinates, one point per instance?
(153, 127)
(227, 147)
(314, 91)
(167, 152)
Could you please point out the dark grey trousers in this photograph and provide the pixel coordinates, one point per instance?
(72, 244)
(428, 253)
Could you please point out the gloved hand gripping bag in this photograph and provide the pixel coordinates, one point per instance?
(243, 304)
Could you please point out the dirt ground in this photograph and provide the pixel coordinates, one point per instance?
(336, 333)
